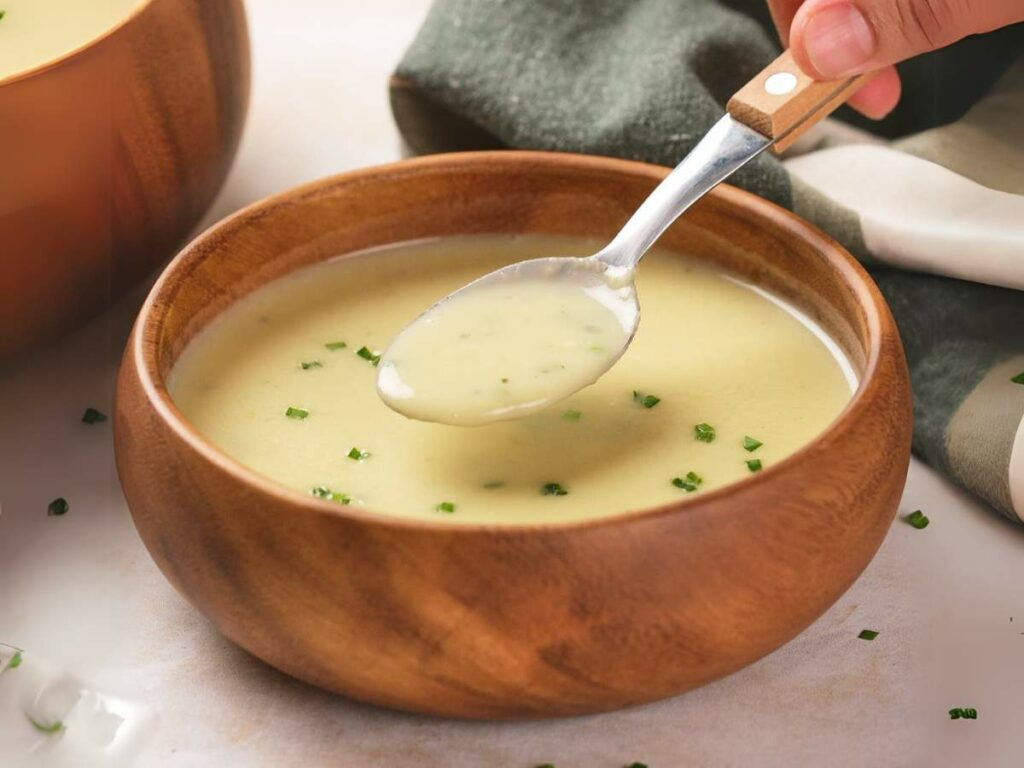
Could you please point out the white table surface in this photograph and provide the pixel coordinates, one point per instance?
(81, 591)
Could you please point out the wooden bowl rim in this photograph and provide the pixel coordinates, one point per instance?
(143, 346)
(49, 64)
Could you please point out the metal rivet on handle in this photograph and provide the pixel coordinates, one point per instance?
(780, 83)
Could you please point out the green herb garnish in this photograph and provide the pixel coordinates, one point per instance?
(47, 729)
(356, 455)
(965, 713)
(368, 355)
(15, 660)
(2, 14)
(754, 465)
(546, 765)
(637, 765)
(572, 415)
(326, 493)
(334, 346)
(704, 432)
(751, 444)
(311, 364)
(445, 506)
(690, 483)
(867, 634)
(490, 486)
(92, 416)
(1019, 378)
(553, 489)
(918, 519)
(647, 401)
(57, 507)
(296, 413)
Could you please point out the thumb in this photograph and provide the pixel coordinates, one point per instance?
(836, 38)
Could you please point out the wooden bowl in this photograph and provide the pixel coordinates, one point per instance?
(111, 154)
(526, 621)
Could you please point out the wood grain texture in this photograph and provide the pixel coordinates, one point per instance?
(785, 117)
(111, 156)
(514, 622)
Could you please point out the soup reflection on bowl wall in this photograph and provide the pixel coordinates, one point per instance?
(118, 121)
(397, 577)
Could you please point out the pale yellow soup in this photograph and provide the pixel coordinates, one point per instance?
(34, 32)
(270, 384)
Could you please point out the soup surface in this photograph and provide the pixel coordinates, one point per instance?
(33, 32)
(721, 381)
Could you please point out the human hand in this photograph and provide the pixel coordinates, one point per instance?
(837, 38)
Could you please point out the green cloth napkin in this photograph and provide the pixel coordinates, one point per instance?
(933, 202)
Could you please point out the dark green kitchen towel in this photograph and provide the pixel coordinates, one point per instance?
(932, 199)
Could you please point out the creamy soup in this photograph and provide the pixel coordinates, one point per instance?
(504, 349)
(33, 32)
(721, 381)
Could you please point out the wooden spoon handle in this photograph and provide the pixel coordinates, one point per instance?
(781, 102)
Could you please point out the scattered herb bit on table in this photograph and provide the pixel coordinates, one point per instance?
(57, 507)
(311, 364)
(918, 519)
(750, 444)
(296, 413)
(445, 506)
(334, 346)
(572, 415)
(867, 634)
(553, 489)
(1019, 378)
(369, 355)
(322, 492)
(647, 401)
(357, 455)
(47, 729)
(704, 432)
(92, 416)
(961, 712)
(15, 660)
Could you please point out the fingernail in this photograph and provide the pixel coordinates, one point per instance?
(838, 39)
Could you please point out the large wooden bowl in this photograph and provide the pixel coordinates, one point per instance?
(110, 156)
(502, 622)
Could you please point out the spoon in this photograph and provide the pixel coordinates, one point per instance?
(518, 339)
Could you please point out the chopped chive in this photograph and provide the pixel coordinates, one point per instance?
(92, 416)
(311, 364)
(326, 493)
(553, 489)
(1019, 378)
(967, 713)
(15, 660)
(47, 729)
(867, 634)
(546, 765)
(704, 432)
(693, 477)
(445, 506)
(918, 519)
(369, 356)
(57, 507)
(684, 485)
(356, 455)
(751, 444)
(647, 401)
(2, 14)
(572, 415)
(334, 346)
(493, 484)
(596, 348)
(637, 765)
(296, 413)
(754, 465)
